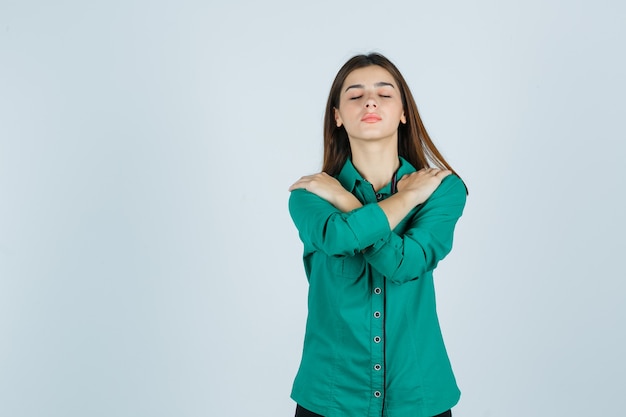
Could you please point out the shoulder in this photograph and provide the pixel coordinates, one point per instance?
(451, 192)
(298, 197)
(452, 186)
(302, 201)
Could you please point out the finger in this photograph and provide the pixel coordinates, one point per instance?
(295, 186)
(301, 183)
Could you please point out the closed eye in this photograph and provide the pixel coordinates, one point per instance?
(355, 98)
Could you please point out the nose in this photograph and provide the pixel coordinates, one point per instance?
(370, 104)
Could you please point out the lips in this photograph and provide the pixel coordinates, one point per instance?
(371, 118)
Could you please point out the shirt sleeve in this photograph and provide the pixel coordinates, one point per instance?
(325, 228)
(426, 241)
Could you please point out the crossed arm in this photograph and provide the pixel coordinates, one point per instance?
(331, 220)
(413, 189)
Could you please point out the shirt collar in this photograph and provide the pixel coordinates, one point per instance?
(348, 176)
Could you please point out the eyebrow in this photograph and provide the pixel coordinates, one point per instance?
(378, 84)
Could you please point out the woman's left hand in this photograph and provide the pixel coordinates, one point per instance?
(328, 188)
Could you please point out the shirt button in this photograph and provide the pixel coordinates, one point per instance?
(377, 339)
(377, 394)
(377, 367)
(377, 314)
(377, 290)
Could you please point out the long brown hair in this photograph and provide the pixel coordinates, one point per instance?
(414, 143)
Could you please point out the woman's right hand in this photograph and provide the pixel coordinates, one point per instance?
(421, 184)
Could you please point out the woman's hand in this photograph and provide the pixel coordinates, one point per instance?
(328, 188)
(421, 184)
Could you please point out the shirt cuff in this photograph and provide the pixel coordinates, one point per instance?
(369, 224)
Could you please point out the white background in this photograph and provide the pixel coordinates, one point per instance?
(148, 264)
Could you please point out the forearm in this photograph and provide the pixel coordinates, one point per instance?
(397, 207)
(346, 202)
(405, 258)
(425, 240)
(323, 226)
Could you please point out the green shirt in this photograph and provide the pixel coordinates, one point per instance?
(373, 346)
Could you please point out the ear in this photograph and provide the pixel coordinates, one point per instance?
(337, 117)
(403, 118)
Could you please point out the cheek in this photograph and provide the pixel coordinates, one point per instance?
(348, 111)
(347, 106)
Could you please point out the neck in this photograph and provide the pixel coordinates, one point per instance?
(376, 162)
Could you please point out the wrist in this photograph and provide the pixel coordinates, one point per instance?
(408, 197)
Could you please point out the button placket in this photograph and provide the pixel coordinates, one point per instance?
(377, 340)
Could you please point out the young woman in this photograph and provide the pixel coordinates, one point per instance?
(374, 225)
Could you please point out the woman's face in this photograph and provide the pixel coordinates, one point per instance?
(370, 105)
